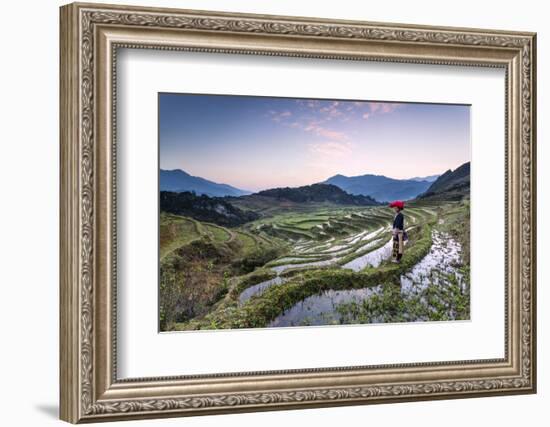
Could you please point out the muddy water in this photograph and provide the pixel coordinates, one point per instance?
(321, 309)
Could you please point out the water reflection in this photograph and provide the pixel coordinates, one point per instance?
(373, 258)
(321, 309)
(259, 288)
(443, 257)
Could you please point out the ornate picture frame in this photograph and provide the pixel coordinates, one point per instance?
(90, 37)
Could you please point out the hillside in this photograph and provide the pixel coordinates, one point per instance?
(270, 202)
(452, 185)
(317, 193)
(429, 178)
(380, 187)
(204, 208)
(178, 181)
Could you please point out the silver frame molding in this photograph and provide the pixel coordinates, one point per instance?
(90, 37)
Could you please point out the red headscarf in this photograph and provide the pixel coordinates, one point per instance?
(397, 204)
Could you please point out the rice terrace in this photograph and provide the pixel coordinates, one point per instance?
(319, 253)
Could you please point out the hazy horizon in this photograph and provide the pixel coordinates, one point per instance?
(317, 182)
(254, 143)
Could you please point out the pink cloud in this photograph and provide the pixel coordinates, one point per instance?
(331, 134)
(316, 128)
(277, 116)
(341, 110)
(308, 103)
(374, 106)
(331, 149)
(312, 125)
(383, 107)
(331, 110)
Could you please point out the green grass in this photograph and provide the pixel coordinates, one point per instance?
(432, 303)
(456, 221)
(217, 233)
(176, 231)
(307, 224)
(247, 241)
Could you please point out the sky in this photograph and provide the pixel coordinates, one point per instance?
(254, 143)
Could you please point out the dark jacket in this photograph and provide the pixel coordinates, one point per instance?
(399, 221)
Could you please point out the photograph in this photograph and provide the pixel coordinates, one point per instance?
(278, 212)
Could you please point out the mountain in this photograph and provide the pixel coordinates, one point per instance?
(452, 185)
(178, 181)
(380, 187)
(268, 202)
(204, 208)
(317, 193)
(429, 178)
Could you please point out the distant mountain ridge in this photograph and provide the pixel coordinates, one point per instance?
(317, 193)
(452, 185)
(362, 190)
(177, 180)
(429, 178)
(380, 187)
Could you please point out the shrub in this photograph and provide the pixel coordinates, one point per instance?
(256, 259)
(171, 291)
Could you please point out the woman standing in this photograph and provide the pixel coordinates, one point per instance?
(398, 230)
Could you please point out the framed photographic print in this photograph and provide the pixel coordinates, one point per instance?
(266, 212)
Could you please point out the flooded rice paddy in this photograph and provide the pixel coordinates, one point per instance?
(435, 267)
(331, 256)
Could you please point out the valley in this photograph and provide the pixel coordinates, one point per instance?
(313, 262)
